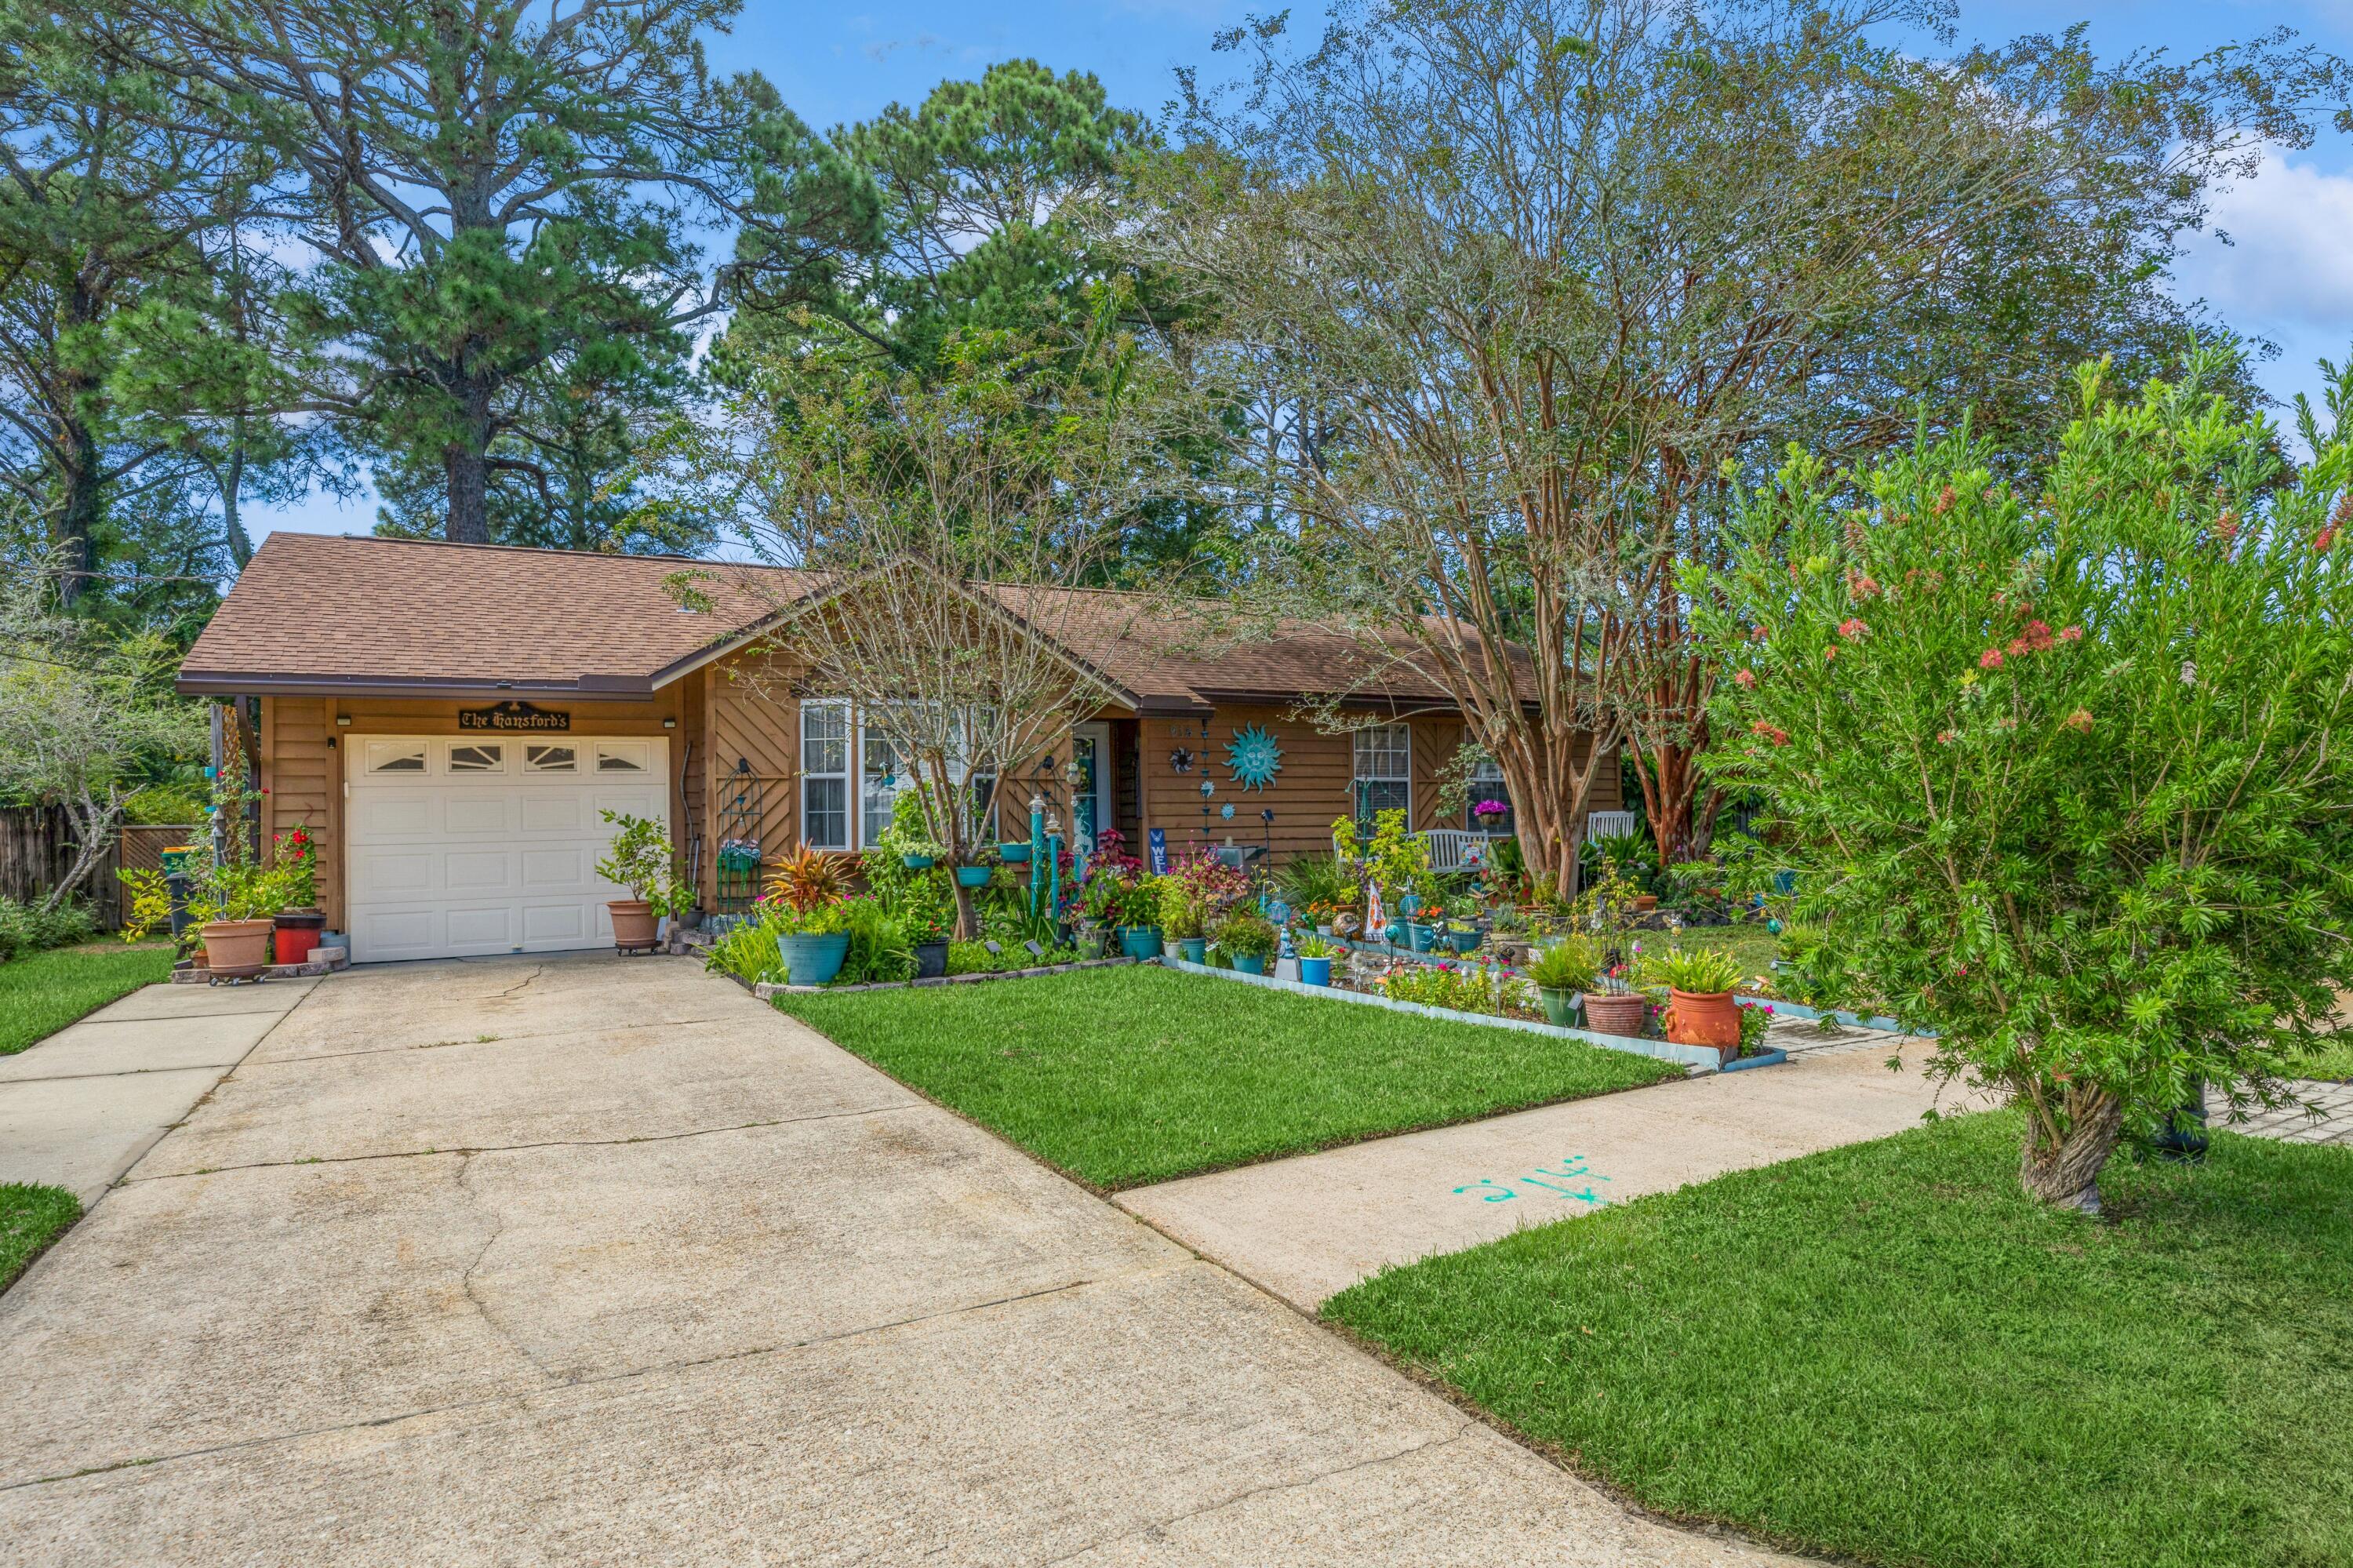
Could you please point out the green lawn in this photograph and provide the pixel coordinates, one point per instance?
(1748, 941)
(42, 992)
(1885, 1351)
(31, 1218)
(2332, 1064)
(1124, 1077)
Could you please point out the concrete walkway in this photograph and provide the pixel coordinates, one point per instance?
(597, 1261)
(1307, 1228)
(77, 1109)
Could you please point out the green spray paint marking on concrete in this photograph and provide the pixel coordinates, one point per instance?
(1491, 1191)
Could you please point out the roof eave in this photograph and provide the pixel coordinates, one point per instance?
(246, 684)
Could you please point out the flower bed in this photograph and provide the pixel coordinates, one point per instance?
(1691, 1056)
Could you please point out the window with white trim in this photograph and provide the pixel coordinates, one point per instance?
(550, 759)
(1487, 784)
(1384, 780)
(477, 760)
(824, 773)
(622, 756)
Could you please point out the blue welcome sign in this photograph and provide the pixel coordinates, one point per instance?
(1159, 837)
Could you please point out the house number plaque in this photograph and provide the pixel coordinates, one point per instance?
(514, 716)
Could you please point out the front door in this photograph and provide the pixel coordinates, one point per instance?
(1091, 797)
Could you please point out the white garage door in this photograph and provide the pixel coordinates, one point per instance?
(457, 846)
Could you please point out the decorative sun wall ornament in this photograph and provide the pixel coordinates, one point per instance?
(1254, 757)
(1180, 761)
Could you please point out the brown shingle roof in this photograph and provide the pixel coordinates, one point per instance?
(327, 614)
(314, 610)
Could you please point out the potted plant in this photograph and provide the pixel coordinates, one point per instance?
(1422, 923)
(1133, 907)
(918, 853)
(1248, 941)
(1014, 852)
(983, 866)
(1184, 918)
(638, 860)
(299, 923)
(1315, 956)
(236, 907)
(813, 942)
(1699, 985)
(1489, 813)
(1561, 972)
(1461, 935)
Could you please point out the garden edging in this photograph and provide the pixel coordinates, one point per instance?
(1704, 1059)
(766, 989)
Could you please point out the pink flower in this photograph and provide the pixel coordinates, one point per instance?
(2080, 721)
(2038, 636)
(1757, 634)
(2070, 634)
(1946, 736)
(1773, 733)
(1851, 628)
(1744, 679)
(1828, 654)
(1989, 660)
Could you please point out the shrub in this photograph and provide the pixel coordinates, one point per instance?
(1318, 947)
(878, 948)
(1697, 970)
(2066, 762)
(1569, 964)
(1469, 989)
(747, 951)
(1246, 934)
(638, 858)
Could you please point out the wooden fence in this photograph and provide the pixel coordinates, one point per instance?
(36, 849)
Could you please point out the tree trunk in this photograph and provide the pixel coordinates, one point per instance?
(468, 463)
(1670, 774)
(232, 485)
(78, 509)
(2067, 1173)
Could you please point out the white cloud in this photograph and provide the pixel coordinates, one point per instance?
(2290, 263)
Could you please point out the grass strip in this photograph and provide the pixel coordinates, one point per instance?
(40, 993)
(1129, 1075)
(31, 1217)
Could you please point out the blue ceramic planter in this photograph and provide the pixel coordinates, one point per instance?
(1418, 935)
(1249, 964)
(1462, 941)
(916, 862)
(1139, 941)
(1315, 971)
(813, 960)
(972, 876)
(1194, 948)
(1014, 854)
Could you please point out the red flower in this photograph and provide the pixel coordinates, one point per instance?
(2070, 634)
(1946, 736)
(1744, 679)
(2038, 636)
(2017, 647)
(1829, 653)
(1944, 502)
(2079, 721)
(1757, 634)
(1773, 733)
(1851, 628)
(2327, 537)
(1989, 660)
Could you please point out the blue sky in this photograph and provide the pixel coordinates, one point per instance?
(2289, 277)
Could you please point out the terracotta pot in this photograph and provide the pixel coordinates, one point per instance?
(1645, 902)
(633, 922)
(1705, 1018)
(1615, 1014)
(237, 945)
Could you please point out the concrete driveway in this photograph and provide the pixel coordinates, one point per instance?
(589, 1261)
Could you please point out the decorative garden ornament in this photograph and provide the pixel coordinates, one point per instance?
(1254, 758)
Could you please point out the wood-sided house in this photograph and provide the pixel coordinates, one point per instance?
(451, 720)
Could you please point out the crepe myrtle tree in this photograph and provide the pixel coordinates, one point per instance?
(2064, 764)
(940, 516)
